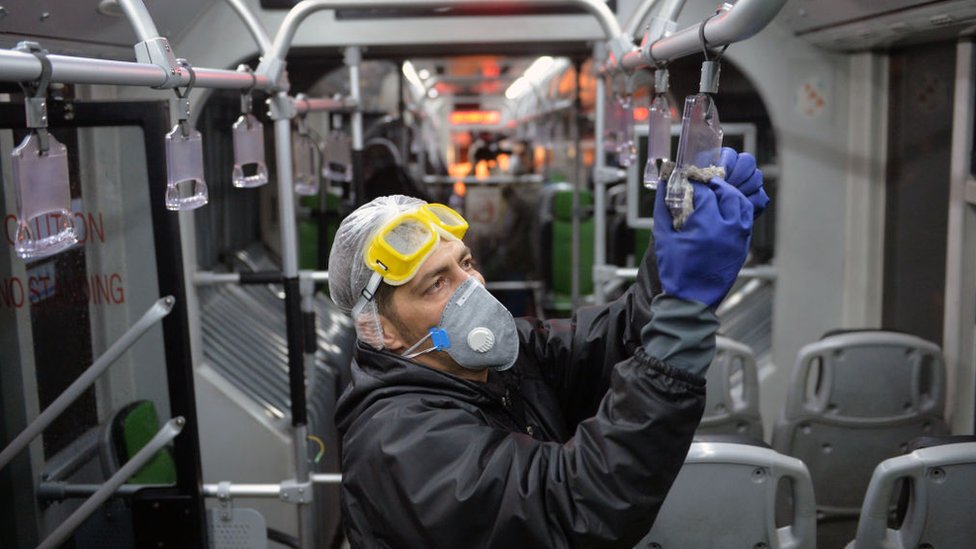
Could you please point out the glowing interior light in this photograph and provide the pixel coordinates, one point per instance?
(517, 88)
(538, 68)
(468, 118)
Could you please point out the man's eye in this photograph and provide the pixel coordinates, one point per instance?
(437, 285)
(467, 263)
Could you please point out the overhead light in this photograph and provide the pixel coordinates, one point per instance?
(539, 67)
(433, 93)
(424, 74)
(476, 118)
(410, 73)
(536, 72)
(518, 88)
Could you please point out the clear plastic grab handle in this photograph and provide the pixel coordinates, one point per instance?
(186, 188)
(249, 153)
(618, 135)
(337, 165)
(658, 140)
(626, 148)
(42, 189)
(700, 146)
(305, 173)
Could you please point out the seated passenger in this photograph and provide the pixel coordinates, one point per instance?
(464, 427)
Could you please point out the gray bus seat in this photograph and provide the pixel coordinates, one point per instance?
(856, 399)
(939, 509)
(732, 398)
(725, 496)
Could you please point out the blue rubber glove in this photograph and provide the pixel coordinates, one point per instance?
(700, 262)
(741, 173)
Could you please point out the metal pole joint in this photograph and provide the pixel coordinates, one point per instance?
(274, 69)
(157, 51)
(281, 107)
(296, 492)
(620, 47)
(35, 94)
(660, 27)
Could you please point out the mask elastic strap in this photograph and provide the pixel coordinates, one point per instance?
(367, 294)
(406, 354)
(440, 340)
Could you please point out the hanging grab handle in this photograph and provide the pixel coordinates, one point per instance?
(186, 187)
(40, 174)
(306, 158)
(250, 169)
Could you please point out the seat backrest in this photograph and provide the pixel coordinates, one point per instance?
(547, 199)
(940, 508)
(732, 397)
(125, 433)
(856, 399)
(562, 241)
(725, 496)
(868, 374)
(556, 217)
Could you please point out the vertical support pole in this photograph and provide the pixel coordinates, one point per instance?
(960, 284)
(599, 187)
(281, 112)
(353, 58)
(577, 186)
(188, 500)
(402, 110)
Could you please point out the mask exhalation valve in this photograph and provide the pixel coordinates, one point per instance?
(481, 339)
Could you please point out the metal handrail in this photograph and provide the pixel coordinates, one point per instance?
(59, 491)
(254, 26)
(741, 21)
(160, 309)
(18, 66)
(137, 14)
(105, 491)
(286, 32)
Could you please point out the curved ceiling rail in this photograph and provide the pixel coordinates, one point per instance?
(253, 25)
(732, 24)
(156, 65)
(272, 65)
(137, 14)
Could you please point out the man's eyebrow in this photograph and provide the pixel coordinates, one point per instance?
(422, 281)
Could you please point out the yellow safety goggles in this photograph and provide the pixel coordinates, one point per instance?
(402, 245)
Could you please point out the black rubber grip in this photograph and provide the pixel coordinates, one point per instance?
(261, 277)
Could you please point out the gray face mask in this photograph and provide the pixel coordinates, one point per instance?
(475, 329)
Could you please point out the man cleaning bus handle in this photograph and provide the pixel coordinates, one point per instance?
(464, 427)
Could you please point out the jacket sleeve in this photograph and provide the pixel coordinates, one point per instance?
(577, 355)
(456, 482)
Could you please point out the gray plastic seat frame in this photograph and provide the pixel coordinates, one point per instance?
(829, 352)
(728, 490)
(734, 366)
(943, 481)
(836, 424)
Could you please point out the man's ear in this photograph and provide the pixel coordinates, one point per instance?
(392, 338)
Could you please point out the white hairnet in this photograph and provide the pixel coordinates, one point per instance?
(348, 273)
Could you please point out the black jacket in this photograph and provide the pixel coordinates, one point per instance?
(574, 446)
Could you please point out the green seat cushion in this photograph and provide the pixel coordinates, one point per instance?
(135, 427)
